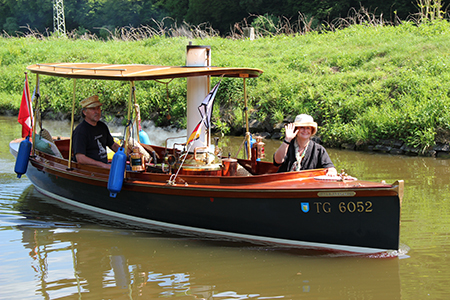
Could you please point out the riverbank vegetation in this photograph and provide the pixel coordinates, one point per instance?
(101, 16)
(362, 82)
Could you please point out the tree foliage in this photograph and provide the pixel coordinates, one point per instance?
(92, 15)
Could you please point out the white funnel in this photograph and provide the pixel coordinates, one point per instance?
(197, 89)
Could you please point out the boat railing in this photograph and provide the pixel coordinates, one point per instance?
(174, 138)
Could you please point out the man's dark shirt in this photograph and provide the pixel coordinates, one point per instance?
(92, 140)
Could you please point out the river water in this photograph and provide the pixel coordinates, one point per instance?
(52, 251)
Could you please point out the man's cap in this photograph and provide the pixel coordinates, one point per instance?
(90, 102)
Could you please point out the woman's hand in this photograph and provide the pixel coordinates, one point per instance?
(331, 172)
(290, 132)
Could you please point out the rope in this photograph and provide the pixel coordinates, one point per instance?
(167, 87)
(173, 177)
(125, 131)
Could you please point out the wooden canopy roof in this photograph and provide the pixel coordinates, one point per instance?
(135, 72)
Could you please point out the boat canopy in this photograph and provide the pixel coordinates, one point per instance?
(136, 72)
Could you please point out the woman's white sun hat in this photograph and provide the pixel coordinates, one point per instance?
(305, 120)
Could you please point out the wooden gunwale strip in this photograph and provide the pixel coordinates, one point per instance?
(285, 180)
(256, 189)
(208, 191)
(58, 172)
(218, 183)
(195, 189)
(263, 178)
(57, 167)
(44, 159)
(245, 193)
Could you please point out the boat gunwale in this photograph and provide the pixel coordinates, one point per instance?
(254, 184)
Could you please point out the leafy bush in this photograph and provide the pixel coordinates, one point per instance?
(361, 84)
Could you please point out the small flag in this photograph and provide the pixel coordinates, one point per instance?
(195, 133)
(36, 92)
(205, 108)
(25, 111)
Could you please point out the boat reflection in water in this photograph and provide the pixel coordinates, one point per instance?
(76, 256)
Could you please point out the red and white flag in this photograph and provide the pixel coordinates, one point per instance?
(26, 111)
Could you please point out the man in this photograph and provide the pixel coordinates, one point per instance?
(91, 136)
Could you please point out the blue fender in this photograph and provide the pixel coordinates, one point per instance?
(116, 174)
(22, 157)
(143, 137)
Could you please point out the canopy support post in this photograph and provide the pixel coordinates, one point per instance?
(69, 166)
(33, 138)
(247, 131)
(130, 107)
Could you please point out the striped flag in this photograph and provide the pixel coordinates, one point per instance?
(205, 108)
(195, 133)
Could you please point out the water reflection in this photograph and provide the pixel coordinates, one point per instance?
(44, 247)
(75, 256)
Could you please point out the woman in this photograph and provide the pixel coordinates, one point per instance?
(299, 152)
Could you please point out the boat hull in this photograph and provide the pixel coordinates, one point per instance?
(354, 220)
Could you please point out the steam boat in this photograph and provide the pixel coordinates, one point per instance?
(192, 188)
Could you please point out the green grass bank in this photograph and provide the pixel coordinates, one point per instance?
(362, 84)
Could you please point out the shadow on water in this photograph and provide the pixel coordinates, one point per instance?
(76, 255)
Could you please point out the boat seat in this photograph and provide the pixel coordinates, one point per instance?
(241, 171)
(44, 143)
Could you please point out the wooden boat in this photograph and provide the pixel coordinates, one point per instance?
(195, 190)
